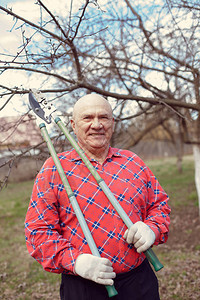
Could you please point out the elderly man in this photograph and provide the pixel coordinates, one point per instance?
(54, 237)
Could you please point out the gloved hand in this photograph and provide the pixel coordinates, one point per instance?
(95, 268)
(140, 235)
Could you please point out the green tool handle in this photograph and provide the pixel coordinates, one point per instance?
(150, 255)
(110, 289)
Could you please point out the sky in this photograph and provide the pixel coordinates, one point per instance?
(10, 39)
(9, 44)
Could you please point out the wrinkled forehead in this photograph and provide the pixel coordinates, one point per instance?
(92, 104)
(94, 111)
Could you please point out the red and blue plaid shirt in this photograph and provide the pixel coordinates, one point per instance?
(53, 235)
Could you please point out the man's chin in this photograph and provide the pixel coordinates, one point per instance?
(92, 145)
(96, 141)
(96, 145)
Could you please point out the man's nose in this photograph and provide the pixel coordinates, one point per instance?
(96, 123)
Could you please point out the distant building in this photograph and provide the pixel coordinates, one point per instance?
(18, 132)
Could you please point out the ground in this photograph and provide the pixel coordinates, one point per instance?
(180, 278)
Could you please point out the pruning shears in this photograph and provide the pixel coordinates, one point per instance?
(46, 112)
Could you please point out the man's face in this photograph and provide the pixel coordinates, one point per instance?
(93, 125)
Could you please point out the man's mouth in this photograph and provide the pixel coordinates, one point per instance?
(96, 134)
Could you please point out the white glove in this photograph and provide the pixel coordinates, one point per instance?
(140, 235)
(95, 268)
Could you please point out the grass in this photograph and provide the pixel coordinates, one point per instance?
(180, 187)
(21, 277)
(19, 274)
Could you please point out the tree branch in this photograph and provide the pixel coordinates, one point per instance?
(154, 48)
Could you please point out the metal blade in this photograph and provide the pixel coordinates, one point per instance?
(40, 106)
(36, 107)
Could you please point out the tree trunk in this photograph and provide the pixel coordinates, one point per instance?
(179, 152)
(179, 163)
(196, 151)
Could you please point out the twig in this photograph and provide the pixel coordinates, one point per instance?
(4, 183)
(2, 107)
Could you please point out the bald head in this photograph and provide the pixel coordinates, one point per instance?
(91, 100)
(93, 125)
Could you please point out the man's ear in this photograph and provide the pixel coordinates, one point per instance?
(113, 125)
(72, 125)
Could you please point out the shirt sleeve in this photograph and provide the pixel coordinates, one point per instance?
(43, 228)
(157, 209)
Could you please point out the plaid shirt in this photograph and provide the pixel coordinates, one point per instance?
(53, 235)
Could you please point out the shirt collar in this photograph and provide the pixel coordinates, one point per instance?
(111, 152)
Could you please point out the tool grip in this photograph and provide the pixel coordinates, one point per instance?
(111, 290)
(151, 256)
